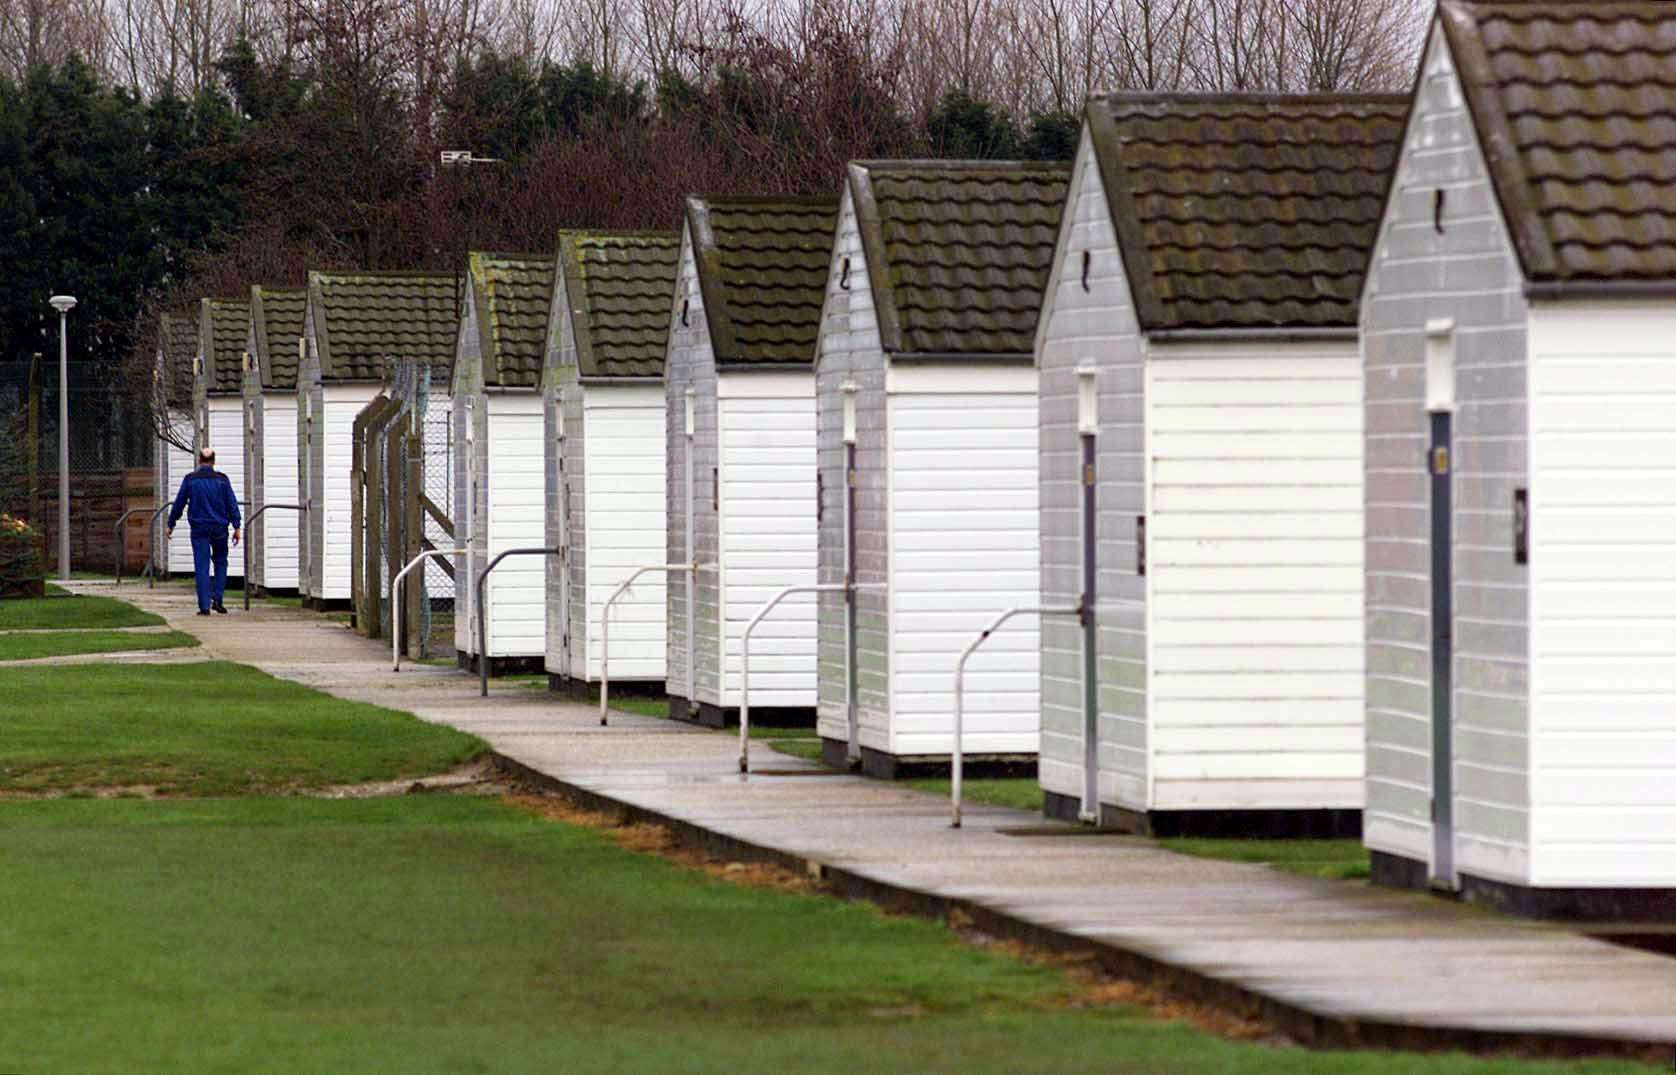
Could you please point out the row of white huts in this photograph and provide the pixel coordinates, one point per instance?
(1327, 432)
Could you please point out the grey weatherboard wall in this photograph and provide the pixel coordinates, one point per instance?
(1096, 322)
(1466, 272)
(850, 330)
(692, 362)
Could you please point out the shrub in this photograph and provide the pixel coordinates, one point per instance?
(22, 567)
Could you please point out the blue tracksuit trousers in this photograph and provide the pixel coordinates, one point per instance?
(209, 549)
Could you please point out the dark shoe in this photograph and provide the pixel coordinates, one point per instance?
(203, 612)
(219, 607)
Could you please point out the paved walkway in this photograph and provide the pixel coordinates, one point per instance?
(1328, 961)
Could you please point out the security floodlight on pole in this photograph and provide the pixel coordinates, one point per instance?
(63, 304)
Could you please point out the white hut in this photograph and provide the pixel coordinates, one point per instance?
(217, 395)
(356, 326)
(926, 393)
(272, 350)
(1519, 342)
(741, 438)
(498, 456)
(177, 355)
(1201, 433)
(604, 402)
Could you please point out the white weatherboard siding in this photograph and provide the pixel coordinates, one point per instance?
(336, 429)
(1602, 758)
(624, 521)
(516, 610)
(964, 502)
(279, 486)
(226, 436)
(179, 560)
(1255, 576)
(767, 474)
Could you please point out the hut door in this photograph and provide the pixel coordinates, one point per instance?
(1443, 652)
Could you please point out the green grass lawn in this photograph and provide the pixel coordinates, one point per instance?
(1020, 793)
(31, 644)
(208, 728)
(1339, 859)
(461, 934)
(61, 609)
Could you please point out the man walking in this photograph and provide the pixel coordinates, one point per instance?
(213, 508)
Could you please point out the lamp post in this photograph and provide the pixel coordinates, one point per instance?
(63, 304)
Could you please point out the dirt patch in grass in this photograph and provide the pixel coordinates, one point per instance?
(1095, 987)
(650, 838)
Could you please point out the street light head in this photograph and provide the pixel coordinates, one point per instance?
(62, 303)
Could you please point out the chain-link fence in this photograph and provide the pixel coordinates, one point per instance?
(402, 483)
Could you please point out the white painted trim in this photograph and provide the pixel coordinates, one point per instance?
(940, 376)
(1149, 730)
(1251, 350)
(799, 384)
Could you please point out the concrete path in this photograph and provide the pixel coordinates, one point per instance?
(1327, 961)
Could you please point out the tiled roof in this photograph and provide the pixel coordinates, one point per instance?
(365, 322)
(619, 287)
(178, 342)
(513, 293)
(958, 252)
(1245, 211)
(1575, 106)
(277, 315)
(762, 265)
(224, 325)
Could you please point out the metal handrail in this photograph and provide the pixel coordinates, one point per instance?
(745, 664)
(151, 551)
(396, 605)
(957, 761)
(605, 632)
(248, 525)
(482, 629)
(122, 521)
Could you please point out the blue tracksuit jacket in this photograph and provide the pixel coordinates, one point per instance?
(213, 507)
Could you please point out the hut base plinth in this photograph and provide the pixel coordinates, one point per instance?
(584, 690)
(503, 666)
(1215, 824)
(1607, 905)
(882, 766)
(711, 715)
(323, 604)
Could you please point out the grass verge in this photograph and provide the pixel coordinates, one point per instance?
(1019, 793)
(464, 934)
(1337, 859)
(33, 644)
(207, 728)
(64, 610)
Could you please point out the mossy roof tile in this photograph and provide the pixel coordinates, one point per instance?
(224, 326)
(958, 252)
(619, 286)
(1575, 107)
(366, 322)
(178, 343)
(276, 314)
(513, 293)
(762, 265)
(1245, 211)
